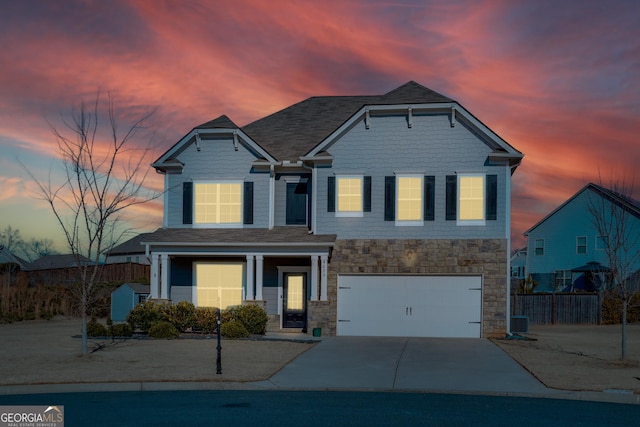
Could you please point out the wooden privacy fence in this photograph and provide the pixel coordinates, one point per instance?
(551, 309)
(123, 272)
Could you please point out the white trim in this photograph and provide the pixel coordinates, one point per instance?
(244, 139)
(314, 198)
(367, 111)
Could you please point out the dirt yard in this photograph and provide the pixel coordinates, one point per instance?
(42, 352)
(579, 357)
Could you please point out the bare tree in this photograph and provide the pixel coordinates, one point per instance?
(616, 218)
(36, 248)
(11, 241)
(102, 179)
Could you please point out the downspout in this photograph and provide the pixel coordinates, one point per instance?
(165, 210)
(314, 192)
(508, 174)
(272, 188)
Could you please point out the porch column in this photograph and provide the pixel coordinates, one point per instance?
(250, 278)
(314, 277)
(164, 279)
(154, 276)
(323, 277)
(259, 265)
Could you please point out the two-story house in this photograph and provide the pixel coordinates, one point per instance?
(361, 215)
(565, 244)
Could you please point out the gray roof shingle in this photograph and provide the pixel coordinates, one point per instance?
(297, 129)
(285, 236)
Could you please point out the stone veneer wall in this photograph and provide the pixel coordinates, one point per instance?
(486, 257)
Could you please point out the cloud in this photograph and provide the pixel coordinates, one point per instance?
(556, 80)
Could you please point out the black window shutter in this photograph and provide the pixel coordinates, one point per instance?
(331, 194)
(451, 197)
(247, 203)
(389, 198)
(187, 202)
(429, 197)
(367, 194)
(492, 197)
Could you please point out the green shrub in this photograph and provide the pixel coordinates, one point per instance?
(206, 319)
(254, 318)
(233, 330)
(144, 315)
(163, 329)
(95, 329)
(182, 315)
(120, 330)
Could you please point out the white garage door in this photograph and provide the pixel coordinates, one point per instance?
(410, 306)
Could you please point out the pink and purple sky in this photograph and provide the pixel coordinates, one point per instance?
(558, 79)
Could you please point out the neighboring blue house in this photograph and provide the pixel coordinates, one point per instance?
(361, 215)
(518, 267)
(125, 298)
(564, 250)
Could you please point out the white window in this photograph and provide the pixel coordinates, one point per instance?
(539, 247)
(581, 245)
(218, 285)
(409, 202)
(471, 197)
(218, 203)
(349, 195)
(562, 279)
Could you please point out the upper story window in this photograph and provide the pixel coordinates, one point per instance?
(409, 200)
(218, 203)
(581, 245)
(471, 198)
(539, 247)
(349, 196)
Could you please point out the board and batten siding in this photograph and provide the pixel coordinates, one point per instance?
(430, 147)
(217, 160)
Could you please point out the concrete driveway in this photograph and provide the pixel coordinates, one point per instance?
(429, 364)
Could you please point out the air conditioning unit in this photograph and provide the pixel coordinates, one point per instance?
(520, 324)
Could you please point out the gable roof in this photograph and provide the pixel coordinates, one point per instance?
(307, 128)
(48, 262)
(8, 257)
(631, 205)
(131, 246)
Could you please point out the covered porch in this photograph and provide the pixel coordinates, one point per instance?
(280, 269)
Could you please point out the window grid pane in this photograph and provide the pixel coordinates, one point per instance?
(349, 194)
(409, 199)
(219, 285)
(472, 197)
(218, 203)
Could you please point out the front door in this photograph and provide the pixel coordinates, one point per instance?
(294, 301)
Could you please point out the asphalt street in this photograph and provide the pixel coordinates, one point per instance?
(314, 408)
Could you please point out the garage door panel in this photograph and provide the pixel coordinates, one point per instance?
(425, 306)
